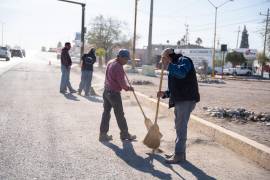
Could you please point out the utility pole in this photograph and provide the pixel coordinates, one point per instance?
(82, 31)
(265, 36)
(134, 36)
(214, 48)
(149, 47)
(2, 34)
(187, 34)
(238, 32)
(82, 27)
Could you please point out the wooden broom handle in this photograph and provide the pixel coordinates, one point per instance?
(159, 89)
(136, 98)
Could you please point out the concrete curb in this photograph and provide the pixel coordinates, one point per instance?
(252, 150)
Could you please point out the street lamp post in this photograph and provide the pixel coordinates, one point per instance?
(82, 27)
(214, 47)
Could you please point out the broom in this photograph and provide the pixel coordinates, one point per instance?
(152, 138)
(148, 123)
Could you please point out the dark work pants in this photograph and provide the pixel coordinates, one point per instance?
(113, 100)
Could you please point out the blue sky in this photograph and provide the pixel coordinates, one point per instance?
(33, 23)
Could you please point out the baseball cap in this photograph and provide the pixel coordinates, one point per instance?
(124, 53)
(167, 51)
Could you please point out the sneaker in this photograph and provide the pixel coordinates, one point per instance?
(63, 92)
(87, 94)
(105, 137)
(72, 91)
(128, 137)
(79, 92)
(175, 159)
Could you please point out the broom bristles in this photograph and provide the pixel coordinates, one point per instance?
(152, 138)
(148, 123)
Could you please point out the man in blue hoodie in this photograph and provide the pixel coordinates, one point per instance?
(87, 70)
(183, 94)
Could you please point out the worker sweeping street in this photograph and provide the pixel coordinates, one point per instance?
(114, 83)
(183, 94)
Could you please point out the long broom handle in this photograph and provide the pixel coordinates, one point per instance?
(136, 98)
(159, 89)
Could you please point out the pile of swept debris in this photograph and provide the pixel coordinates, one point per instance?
(141, 82)
(240, 114)
(211, 81)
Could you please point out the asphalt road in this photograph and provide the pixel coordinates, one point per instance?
(48, 135)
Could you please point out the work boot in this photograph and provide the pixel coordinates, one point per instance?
(105, 137)
(175, 159)
(72, 91)
(128, 137)
(63, 92)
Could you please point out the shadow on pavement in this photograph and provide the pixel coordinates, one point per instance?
(198, 173)
(128, 155)
(188, 166)
(96, 99)
(71, 97)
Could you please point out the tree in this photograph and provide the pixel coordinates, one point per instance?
(244, 40)
(183, 40)
(104, 33)
(100, 52)
(59, 45)
(125, 42)
(198, 41)
(178, 43)
(262, 59)
(236, 58)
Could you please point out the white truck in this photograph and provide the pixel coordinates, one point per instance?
(238, 70)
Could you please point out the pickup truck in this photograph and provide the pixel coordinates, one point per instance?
(238, 71)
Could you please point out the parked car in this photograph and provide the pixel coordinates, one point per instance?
(200, 69)
(52, 50)
(16, 53)
(5, 53)
(138, 62)
(43, 49)
(238, 70)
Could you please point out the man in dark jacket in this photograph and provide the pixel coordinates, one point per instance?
(87, 70)
(183, 94)
(65, 69)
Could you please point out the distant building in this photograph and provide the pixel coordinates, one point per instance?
(197, 53)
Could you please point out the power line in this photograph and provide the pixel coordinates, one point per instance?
(207, 14)
(226, 25)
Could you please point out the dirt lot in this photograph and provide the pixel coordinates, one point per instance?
(251, 95)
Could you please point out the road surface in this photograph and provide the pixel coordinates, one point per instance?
(48, 135)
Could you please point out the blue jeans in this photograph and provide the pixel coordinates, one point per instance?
(182, 111)
(65, 78)
(86, 79)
